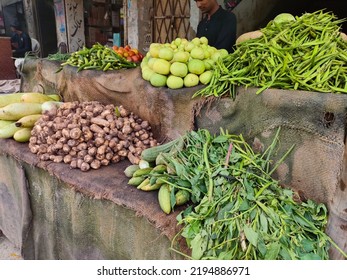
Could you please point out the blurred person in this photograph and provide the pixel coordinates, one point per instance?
(20, 41)
(217, 25)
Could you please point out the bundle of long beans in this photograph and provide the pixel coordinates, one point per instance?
(308, 53)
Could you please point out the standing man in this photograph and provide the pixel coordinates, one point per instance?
(217, 25)
(21, 42)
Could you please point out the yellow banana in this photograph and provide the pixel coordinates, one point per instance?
(22, 135)
(35, 97)
(4, 123)
(9, 130)
(9, 98)
(28, 121)
(15, 111)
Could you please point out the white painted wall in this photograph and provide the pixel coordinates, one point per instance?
(131, 23)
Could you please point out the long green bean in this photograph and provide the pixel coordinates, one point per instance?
(292, 56)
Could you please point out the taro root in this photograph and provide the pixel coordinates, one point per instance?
(88, 135)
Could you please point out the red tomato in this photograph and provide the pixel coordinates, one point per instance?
(135, 58)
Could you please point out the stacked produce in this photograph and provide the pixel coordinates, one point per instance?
(292, 53)
(129, 53)
(181, 63)
(238, 211)
(20, 111)
(88, 135)
(98, 57)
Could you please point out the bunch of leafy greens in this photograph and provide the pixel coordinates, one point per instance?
(240, 212)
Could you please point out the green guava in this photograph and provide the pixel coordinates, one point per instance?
(196, 66)
(179, 69)
(174, 82)
(158, 80)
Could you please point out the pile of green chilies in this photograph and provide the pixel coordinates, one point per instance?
(98, 57)
(306, 54)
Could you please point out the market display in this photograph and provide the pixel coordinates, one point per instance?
(20, 111)
(98, 57)
(236, 210)
(88, 135)
(129, 53)
(181, 63)
(233, 208)
(305, 52)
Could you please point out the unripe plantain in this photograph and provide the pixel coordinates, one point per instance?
(9, 130)
(10, 98)
(4, 123)
(15, 111)
(28, 121)
(36, 97)
(22, 135)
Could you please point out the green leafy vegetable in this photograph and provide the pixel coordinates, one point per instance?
(240, 212)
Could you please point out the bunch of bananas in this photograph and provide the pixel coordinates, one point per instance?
(20, 111)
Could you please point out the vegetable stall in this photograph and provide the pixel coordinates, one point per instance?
(213, 155)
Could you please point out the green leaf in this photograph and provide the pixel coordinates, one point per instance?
(261, 247)
(310, 256)
(272, 251)
(220, 139)
(198, 245)
(225, 255)
(284, 253)
(172, 198)
(184, 183)
(226, 208)
(251, 235)
(301, 221)
(244, 205)
(308, 245)
(263, 223)
(179, 168)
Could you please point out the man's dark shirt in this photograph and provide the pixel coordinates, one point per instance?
(23, 43)
(220, 30)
